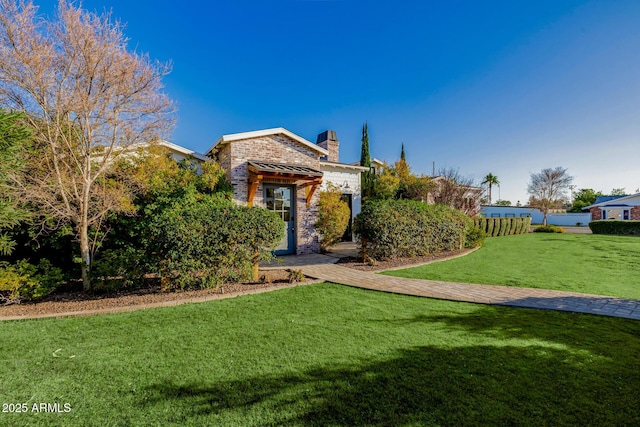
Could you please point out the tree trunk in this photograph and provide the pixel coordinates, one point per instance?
(544, 218)
(255, 272)
(364, 249)
(86, 257)
(489, 193)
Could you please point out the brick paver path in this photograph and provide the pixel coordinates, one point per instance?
(324, 269)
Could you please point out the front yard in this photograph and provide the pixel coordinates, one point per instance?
(593, 264)
(324, 355)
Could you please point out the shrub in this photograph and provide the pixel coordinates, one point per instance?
(549, 229)
(475, 237)
(494, 227)
(207, 243)
(23, 281)
(118, 268)
(610, 226)
(486, 224)
(295, 276)
(391, 229)
(333, 217)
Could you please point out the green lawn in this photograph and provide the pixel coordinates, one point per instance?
(324, 355)
(594, 264)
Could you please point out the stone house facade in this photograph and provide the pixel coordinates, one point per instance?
(283, 172)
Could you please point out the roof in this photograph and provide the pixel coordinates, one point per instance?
(283, 169)
(602, 199)
(225, 139)
(182, 150)
(619, 201)
(343, 166)
(373, 161)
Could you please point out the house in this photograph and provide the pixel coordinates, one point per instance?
(283, 172)
(463, 197)
(623, 208)
(376, 165)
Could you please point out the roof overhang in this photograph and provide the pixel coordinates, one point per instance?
(355, 168)
(283, 170)
(226, 139)
(182, 150)
(311, 178)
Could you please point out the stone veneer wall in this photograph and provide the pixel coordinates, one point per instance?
(596, 214)
(233, 158)
(333, 147)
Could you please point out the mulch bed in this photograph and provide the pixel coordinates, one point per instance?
(76, 300)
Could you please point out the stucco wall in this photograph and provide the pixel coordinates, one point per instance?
(348, 182)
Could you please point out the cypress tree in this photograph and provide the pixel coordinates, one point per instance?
(366, 178)
(402, 155)
(365, 157)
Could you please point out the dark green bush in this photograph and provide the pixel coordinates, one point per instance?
(610, 226)
(494, 227)
(485, 224)
(475, 237)
(549, 229)
(210, 242)
(119, 268)
(405, 228)
(23, 281)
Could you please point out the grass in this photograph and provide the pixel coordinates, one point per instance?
(324, 355)
(593, 264)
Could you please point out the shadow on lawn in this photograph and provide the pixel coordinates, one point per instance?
(545, 378)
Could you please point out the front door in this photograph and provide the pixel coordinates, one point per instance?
(279, 199)
(348, 234)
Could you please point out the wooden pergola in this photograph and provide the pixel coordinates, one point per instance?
(259, 171)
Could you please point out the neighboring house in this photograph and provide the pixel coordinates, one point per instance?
(555, 218)
(376, 165)
(623, 208)
(470, 197)
(181, 153)
(284, 172)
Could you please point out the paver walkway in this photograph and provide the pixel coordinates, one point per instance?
(324, 268)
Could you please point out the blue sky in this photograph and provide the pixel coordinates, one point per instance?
(507, 87)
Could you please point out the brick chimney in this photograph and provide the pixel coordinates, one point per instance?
(329, 141)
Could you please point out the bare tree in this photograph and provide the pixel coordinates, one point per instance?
(88, 100)
(547, 189)
(456, 191)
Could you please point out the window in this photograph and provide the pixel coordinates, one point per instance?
(509, 215)
(494, 215)
(615, 213)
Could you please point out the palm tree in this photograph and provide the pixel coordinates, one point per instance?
(492, 180)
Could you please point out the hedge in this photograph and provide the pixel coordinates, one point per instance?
(611, 226)
(391, 229)
(495, 227)
(205, 244)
